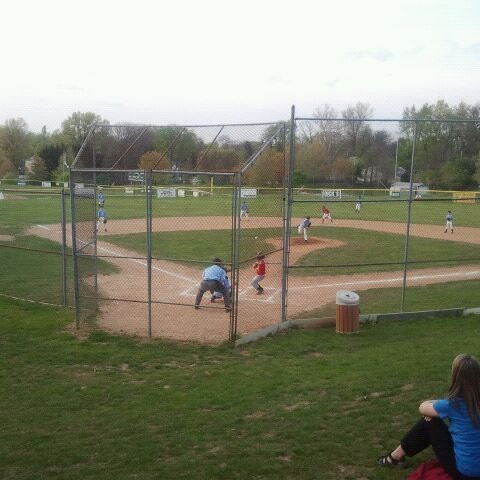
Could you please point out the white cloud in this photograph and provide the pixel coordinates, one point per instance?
(225, 60)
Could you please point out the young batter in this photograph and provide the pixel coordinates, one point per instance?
(260, 270)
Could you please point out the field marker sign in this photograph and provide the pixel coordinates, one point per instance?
(331, 194)
(248, 193)
(166, 192)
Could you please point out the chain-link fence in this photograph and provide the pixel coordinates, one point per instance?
(174, 199)
(378, 227)
(380, 207)
(36, 259)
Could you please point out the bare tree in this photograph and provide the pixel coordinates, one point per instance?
(356, 115)
(328, 130)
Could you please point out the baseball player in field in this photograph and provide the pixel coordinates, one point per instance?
(449, 222)
(101, 199)
(358, 205)
(305, 224)
(244, 210)
(101, 219)
(326, 214)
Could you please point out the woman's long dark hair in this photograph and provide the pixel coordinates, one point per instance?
(465, 384)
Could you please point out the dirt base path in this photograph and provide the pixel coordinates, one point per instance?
(174, 285)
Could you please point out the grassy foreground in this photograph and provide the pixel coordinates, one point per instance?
(429, 297)
(305, 405)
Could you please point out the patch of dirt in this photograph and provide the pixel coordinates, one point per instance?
(7, 238)
(310, 241)
(174, 286)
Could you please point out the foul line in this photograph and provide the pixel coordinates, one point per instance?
(387, 280)
(276, 291)
(141, 262)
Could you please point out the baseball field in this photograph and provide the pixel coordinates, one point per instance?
(361, 251)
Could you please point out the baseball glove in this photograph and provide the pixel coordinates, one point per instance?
(309, 224)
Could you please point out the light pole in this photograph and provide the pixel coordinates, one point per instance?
(396, 161)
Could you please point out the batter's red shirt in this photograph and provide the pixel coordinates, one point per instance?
(260, 267)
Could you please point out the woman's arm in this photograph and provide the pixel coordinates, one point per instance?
(426, 409)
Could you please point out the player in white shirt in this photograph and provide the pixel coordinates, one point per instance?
(449, 222)
(305, 224)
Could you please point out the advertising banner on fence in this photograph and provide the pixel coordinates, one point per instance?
(331, 194)
(166, 192)
(248, 193)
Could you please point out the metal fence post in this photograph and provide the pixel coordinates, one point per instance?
(409, 216)
(237, 184)
(288, 201)
(74, 251)
(148, 199)
(94, 213)
(64, 248)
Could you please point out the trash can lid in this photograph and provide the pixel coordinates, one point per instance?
(344, 297)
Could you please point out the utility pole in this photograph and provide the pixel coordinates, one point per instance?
(396, 161)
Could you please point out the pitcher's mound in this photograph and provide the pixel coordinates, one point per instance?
(311, 241)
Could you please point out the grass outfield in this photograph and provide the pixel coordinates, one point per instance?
(24, 210)
(364, 246)
(302, 405)
(361, 247)
(38, 275)
(430, 297)
(199, 245)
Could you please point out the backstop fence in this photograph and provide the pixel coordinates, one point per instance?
(148, 209)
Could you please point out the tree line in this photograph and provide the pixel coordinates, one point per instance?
(339, 148)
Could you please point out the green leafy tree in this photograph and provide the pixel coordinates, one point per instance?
(15, 142)
(51, 153)
(180, 145)
(458, 173)
(38, 169)
(476, 176)
(76, 127)
(6, 166)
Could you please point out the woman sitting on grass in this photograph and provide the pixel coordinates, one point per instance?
(457, 447)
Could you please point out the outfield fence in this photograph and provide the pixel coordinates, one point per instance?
(234, 191)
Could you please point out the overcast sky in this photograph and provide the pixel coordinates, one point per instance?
(211, 61)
